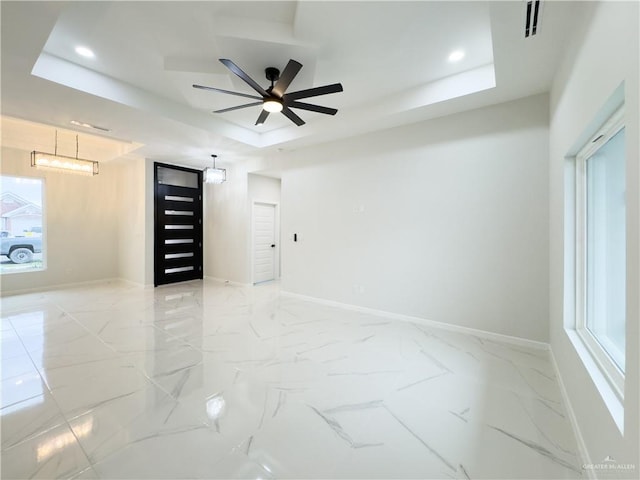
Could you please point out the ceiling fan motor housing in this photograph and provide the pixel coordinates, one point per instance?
(272, 73)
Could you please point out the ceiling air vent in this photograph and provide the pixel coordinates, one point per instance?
(531, 25)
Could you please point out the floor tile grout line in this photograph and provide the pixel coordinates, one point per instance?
(61, 412)
(23, 400)
(54, 399)
(122, 355)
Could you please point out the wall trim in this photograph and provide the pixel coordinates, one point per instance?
(136, 284)
(228, 282)
(61, 286)
(524, 342)
(582, 446)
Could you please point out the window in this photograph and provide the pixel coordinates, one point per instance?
(601, 249)
(21, 240)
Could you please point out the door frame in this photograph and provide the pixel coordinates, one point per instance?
(276, 227)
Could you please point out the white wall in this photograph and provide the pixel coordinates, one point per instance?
(226, 229)
(227, 219)
(606, 56)
(445, 220)
(263, 189)
(135, 232)
(81, 216)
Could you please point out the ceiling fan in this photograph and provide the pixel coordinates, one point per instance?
(273, 99)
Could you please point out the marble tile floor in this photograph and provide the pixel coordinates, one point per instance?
(206, 380)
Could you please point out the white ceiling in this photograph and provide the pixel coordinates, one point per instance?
(391, 58)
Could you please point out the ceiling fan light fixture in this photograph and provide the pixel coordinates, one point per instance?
(272, 105)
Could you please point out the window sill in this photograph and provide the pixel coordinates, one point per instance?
(607, 392)
(18, 271)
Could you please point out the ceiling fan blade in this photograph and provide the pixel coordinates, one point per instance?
(292, 116)
(313, 108)
(202, 87)
(286, 77)
(235, 69)
(314, 92)
(262, 117)
(231, 109)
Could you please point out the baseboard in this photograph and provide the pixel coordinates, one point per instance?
(524, 342)
(227, 282)
(582, 446)
(135, 284)
(61, 286)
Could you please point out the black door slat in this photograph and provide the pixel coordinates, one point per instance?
(177, 235)
(179, 262)
(176, 220)
(179, 248)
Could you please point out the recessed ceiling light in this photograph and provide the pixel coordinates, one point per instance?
(85, 52)
(456, 56)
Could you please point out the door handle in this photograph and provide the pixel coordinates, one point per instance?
(273, 245)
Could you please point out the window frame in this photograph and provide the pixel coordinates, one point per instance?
(43, 234)
(614, 375)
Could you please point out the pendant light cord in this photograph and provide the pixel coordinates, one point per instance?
(55, 148)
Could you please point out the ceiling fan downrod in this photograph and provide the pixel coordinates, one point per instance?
(273, 74)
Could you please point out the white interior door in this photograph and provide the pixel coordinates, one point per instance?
(264, 242)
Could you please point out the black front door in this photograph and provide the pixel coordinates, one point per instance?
(178, 224)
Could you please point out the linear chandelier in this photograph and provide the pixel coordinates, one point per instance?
(62, 163)
(215, 175)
